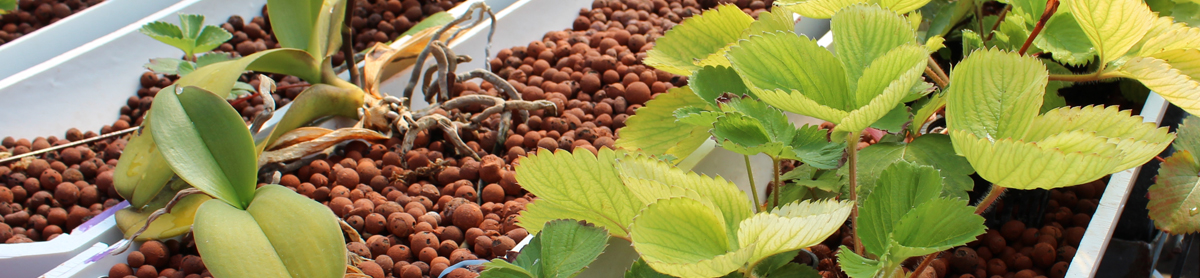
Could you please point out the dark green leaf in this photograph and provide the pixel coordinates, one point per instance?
(697, 116)
(435, 20)
(774, 262)
(894, 120)
(856, 266)
(210, 38)
(901, 187)
(206, 143)
(498, 268)
(930, 149)
(568, 246)
(935, 225)
(7, 5)
(640, 269)
(794, 270)
(710, 82)
(810, 146)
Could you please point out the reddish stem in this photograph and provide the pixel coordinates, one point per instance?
(1051, 7)
(924, 263)
(1160, 159)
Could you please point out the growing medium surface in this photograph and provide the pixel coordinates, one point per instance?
(31, 15)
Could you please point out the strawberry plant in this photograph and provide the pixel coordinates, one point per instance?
(191, 35)
(1173, 199)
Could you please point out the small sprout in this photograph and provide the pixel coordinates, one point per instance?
(192, 38)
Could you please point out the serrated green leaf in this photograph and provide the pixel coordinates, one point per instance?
(164, 65)
(996, 94)
(502, 269)
(894, 120)
(697, 116)
(1138, 141)
(694, 248)
(206, 143)
(794, 270)
(679, 50)
(568, 247)
(810, 146)
(210, 38)
(710, 82)
(791, 227)
(811, 177)
(934, 150)
(742, 134)
(167, 33)
(1164, 35)
(1037, 168)
(315, 102)
(1030, 10)
(1113, 26)
(751, 127)
(971, 42)
(902, 187)
(530, 257)
(777, 19)
(734, 205)
(902, 6)
(774, 262)
(1175, 195)
(1185, 12)
(918, 234)
(856, 266)
(1163, 78)
(640, 269)
(142, 171)
(883, 85)
(219, 77)
(1065, 40)
(654, 129)
(596, 195)
(190, 25)
(863, 34)
(827, 8)
(793, 74)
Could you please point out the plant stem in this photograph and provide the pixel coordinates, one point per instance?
(1003, 13)
(941, 74)
(1051, 7)
(924, 263)
(753, 188)
(776, 163)
(348, 47)
(989, 199)
(936, 79)
(852, 149)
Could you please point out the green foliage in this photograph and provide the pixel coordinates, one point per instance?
(687, 45)
(876, 67)
(142, 172)
(191, 35)
(314, 26)
(907, 217)
(315, 102)
(992, 113)
(7, 5)
(751, 127)
(219, 77)
(829, 8)
(653, 129)
(1175, 195)
(652, 204)
(933, 150)
(562, 249)
(206, 143)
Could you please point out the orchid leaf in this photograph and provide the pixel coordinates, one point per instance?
(1175, 195)
(206, 143)
(597, 194)
(315, 102)
(311, 25)
(655, 131)
(684, 46)
(142, 171)
(1113, 26)
(436, 20)
(175, 223)
(219, 78)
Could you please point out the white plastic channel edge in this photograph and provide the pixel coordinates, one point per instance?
(35, 258)
(86, 86)
(73, 31)
(1112, 203)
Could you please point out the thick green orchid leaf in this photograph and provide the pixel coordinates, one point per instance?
(311, 25)
(933, 226)
(697, 247)
(733, 204)
(902, 186)
(996, 94)
(562, 249)
(1113, 26)
(791, 227)
(711, 82)
(1178, 85)
(141, 172)
(596, 194)
(175, 223)
(206, 143)
(315, 102)
(857, 266)
(934, 150)
(655, 131)
(827, 8)
(865, 33)
(1175, 195)
(1065, 40)
(641, 269)
(684, 46)
(220, 77)
(793, 74)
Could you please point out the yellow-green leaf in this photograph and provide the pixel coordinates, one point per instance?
(793, 74)
(579, 186)
(1175, 195)
(233, 245)
(655, 131)
(1139, 141)
(141, 172)
(792, 226)
(684, 237)
(169, 225)
(996, 94)
(817, 8)
(1020, 165)
(733, 203)
(679, 50)
(220, 77)
(1113, 26)
(935, 225)
(864, 33)
(1171, 83)
(884, 84)
(315, 102)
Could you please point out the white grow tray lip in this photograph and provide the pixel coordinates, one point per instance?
(74, 31)
(32, 259)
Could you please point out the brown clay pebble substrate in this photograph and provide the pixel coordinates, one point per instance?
(35, 14)
(44, 196)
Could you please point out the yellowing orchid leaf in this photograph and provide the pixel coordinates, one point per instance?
(996, 94)
(595, 193)
(792, 226)
(655, 131)
(1113, 26)
(697, 247)
(679, 50)
(315, 102)
(175, 223)
(141, 172)
(1161, 77)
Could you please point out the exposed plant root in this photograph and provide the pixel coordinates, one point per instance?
(350, 232)
(443, 123)
(266, 85)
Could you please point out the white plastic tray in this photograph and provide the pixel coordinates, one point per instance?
(73, 31)
(32, 259)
